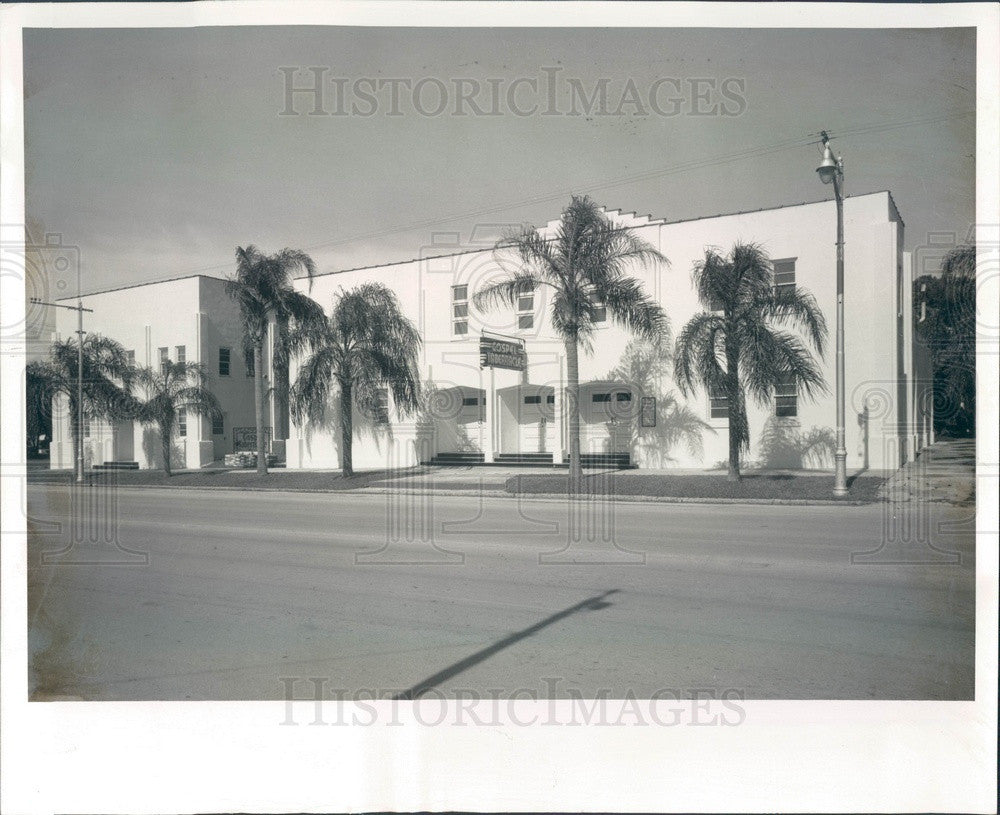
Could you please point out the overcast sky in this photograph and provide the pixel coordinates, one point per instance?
(157, 152)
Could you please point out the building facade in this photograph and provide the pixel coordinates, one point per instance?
(632, 411)
(186, 319)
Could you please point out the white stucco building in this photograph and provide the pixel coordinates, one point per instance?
(186, 319)
(488, 414)
(492, 414)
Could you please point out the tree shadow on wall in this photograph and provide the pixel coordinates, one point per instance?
(785, 446)
(437, 419)
(153, 450)
(643, 367)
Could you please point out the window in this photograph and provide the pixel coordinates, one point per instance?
(470, 400)
(601, 397)
(532, 400)
(381, 406)
(459, 310)
(164, 359)
(623, 396)
(718, 403)
(218, 426)
(131, 357)
(784, 275)
(181, 354)
(182, 423)
(599, 312)
(525, 306)
(86, 426)
(223, 362)
(248, 358)
(550, 399)
(786, 399)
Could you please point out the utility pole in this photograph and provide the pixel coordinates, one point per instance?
(79, 309)
(832, 170)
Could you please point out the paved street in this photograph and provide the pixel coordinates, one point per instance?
(218, 595)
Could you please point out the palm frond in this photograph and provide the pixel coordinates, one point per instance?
(798, 308)
(697, 359)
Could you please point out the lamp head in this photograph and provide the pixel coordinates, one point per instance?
(828, 167)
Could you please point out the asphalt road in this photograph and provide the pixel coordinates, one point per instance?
(226, 595)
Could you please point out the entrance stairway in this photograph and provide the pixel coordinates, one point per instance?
(530, 459)
(457, 459)
(619, 460)
(117, 465)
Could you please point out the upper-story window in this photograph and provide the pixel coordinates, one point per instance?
(164, 359)
(459, 310)
(180, 352)
(784, 275)
(248, 358)
(131, 357)
(598, 312)
(786, 398)
(224, 359)
(718, 403)
(525, 306)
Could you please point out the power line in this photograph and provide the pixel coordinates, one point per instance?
(676, 169)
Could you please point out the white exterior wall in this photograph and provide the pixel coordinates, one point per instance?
(193, 312)
(878, 348)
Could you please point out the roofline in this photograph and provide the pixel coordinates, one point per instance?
(137, 285)
(657, 222)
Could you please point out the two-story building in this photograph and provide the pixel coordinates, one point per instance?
(494, 381)
(631, 409)
(187, 319)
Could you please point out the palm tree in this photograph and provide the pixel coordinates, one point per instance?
(262, 287)
(107, 380)
(584, 264)
(734, 347)
(365, 345)
(945, 316)
(175, 387)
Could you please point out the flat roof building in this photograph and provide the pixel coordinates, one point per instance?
(631, 409)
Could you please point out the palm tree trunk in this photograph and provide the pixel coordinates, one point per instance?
(734, 444)
(573, 406)
(737, 411)
(346, 430)
(165, 431)
(258, 404)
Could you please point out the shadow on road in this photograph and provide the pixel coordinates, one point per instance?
(595, 603)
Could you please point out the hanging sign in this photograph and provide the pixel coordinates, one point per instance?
(494, 353)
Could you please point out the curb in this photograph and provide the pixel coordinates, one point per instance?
(472, 493)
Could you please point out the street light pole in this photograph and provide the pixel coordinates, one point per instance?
(831, 170)
(79, 391)
(79, 309)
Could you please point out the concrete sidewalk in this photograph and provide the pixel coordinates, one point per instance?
(945, 471)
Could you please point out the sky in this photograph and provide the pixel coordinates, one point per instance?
(158, 151)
